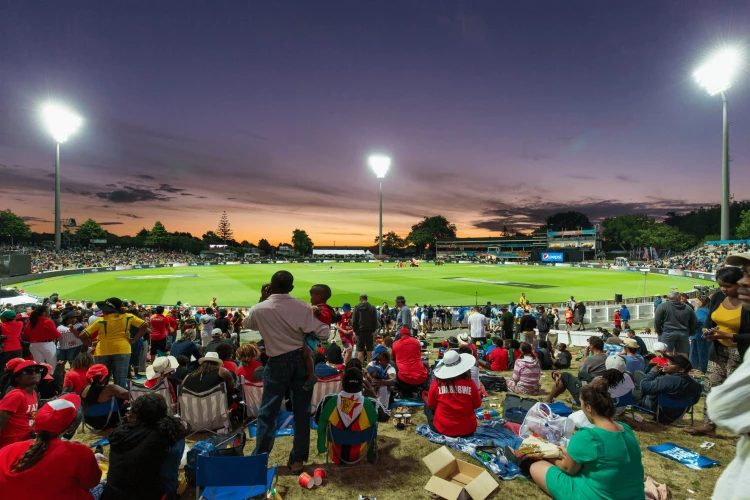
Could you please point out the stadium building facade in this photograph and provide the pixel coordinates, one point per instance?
(553, 246)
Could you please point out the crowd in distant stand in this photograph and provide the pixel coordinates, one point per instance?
(43, 259)
(708, 258)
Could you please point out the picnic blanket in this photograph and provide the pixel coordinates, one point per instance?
(688, 458)
(491, 433)
(407, 402)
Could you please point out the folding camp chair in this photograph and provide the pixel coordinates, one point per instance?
(205, 411)
(233, 478)
(338, 436)
(624, 401)
(138, 390)
(324, 387)
(667, 402)
(109, 409)
(252, 394)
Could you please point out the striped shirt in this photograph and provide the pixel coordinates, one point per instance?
(68, 339)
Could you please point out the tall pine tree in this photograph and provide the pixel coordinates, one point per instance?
(223, 231)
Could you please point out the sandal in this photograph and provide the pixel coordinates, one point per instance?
(700, 431)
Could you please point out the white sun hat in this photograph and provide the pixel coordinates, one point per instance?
(453, 365)
(211, 357)
(160, 366)
(660, 347)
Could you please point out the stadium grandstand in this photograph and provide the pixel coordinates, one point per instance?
(553, 246)
(341, 252)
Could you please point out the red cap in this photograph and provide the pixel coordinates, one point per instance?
(11, 364)
(25, 364)
(96, 371)
(48, 376)
(57, 415)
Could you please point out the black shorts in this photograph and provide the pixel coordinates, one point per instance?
(158, 345)
(365, 342)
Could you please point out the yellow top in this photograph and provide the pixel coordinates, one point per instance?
(112, 333)
(728, 321)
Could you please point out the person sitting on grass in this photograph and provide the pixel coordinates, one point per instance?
(226, 354)
(603, 461)
(544, 355)
(634, 362)
(619, 382)
(474, 372)
(411, 372)
(322, 368)
(383, 386)
(563, 357)
(248, 355)
(660, 354)
(18, 406)
(526, 373)
(351, 411)
(593, 366)
(186, 347)
(453, 397)
(209, 374)
(148, 447)
(75, 378)
(497, 360)
(99, 390)
(49, 466)
(514, 352)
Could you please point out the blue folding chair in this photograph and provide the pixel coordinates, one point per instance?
(233, 478)
(109, 409)
(343, 437)
(667, 402)
(624, 401)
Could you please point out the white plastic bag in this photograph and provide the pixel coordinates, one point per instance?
(542, 422)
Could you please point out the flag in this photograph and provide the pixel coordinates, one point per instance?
(654, 254)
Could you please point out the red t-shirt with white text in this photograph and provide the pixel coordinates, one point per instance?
(407, 353)
(454, 406)
(159, 326)
(22, 407)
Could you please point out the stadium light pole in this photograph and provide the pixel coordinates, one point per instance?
(61, 124)
(716, 75)
(380, 164)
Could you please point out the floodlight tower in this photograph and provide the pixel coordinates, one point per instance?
(61, 124)
(380, 164)
(716, 75)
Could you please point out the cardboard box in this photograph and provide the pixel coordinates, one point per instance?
(455, 479)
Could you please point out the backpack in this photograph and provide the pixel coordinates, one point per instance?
(205, 447)
(542, 324)
(492, 382)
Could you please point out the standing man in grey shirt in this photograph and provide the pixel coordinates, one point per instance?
(283, 321)
(403, 318)
(674, 322)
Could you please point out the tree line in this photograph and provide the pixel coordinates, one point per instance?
(677, 232)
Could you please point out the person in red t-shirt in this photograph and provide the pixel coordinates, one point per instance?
(75, 378)
(11, 329)
(247, 355)
(49, 466)
(159, 370)
(453, 397)
(498, 358)
(226, 354)
(344, 327)
(18, 407)
(42, 333)
(411, 372)
(159, 328)
(616, 317)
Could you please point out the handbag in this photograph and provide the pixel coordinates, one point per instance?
(231, 445)
(542, 422)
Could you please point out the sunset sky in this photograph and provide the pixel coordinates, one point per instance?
(494, 112)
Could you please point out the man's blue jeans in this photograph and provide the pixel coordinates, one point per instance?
(281, 373)
(170, 469)
(117, 364)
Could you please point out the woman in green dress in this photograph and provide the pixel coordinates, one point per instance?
(601, 462)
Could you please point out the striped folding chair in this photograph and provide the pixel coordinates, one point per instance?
(137, 390)
(252, 394)
(324, 387)
(205, 411)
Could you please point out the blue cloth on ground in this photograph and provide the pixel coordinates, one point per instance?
(486, 431)
(688, 458)
(407, 402)
(561, 409)
(284, 425)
